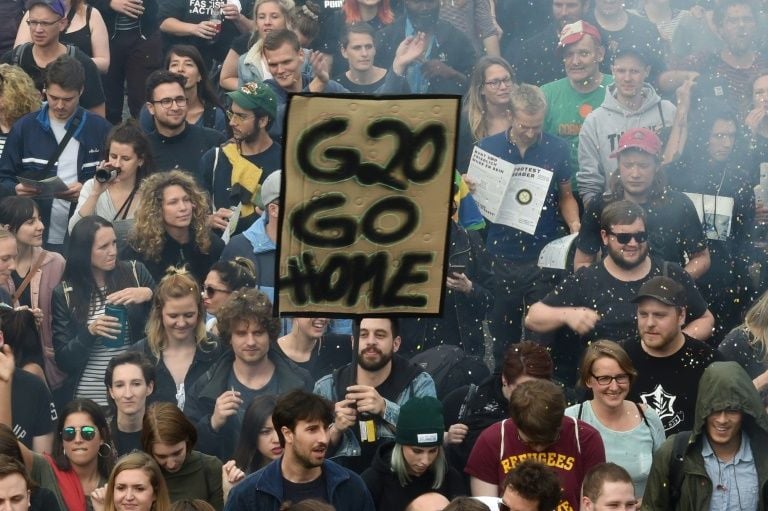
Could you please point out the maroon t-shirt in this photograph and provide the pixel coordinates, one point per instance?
(578, 449)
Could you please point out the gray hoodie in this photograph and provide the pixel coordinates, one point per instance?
(599, 136)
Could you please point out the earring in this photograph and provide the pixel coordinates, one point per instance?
(108, 453)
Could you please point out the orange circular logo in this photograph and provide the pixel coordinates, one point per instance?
(585, 110)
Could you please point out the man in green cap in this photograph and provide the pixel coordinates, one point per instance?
(234, 172)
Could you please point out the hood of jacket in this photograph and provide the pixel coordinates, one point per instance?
(650, 100)
(725, 385)
(382, 459)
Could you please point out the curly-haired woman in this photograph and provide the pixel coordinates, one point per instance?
(170, 226)
(18, 97)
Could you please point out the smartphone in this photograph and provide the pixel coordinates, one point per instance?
(121, 313)
(457, 268)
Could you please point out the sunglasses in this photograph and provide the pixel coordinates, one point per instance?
(626, 237)
(87, 433)
(210, 291)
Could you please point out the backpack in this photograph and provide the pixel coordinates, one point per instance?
(451, 368)
(18, 52)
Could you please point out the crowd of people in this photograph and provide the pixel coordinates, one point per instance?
(143, 366)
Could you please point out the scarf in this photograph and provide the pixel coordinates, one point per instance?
(245, 179)
(69, 484)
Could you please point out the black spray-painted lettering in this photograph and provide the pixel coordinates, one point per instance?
(320, 233)
(343, 275)
(408, 146)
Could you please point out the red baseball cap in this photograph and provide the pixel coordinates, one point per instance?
(575, 32)
(639, 138)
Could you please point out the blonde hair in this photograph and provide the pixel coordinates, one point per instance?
(147, 236)
(19, 94)
(399, 467)
(287, 8)
(177, 283)
(475, 106)
(5, 233)
(527, 98)
(756, 324)
(138, 460)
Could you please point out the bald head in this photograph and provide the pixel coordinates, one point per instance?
(428, 502)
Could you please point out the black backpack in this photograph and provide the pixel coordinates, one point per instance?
(451, 368)
(18, 52)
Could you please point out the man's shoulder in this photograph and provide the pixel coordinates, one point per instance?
(211, 136)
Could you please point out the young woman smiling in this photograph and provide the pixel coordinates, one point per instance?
(176, 340)
(37, 272)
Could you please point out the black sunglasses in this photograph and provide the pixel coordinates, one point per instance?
(86, 432)
(626, 237)
(210, 291)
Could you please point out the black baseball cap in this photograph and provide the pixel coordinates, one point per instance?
(663, 289)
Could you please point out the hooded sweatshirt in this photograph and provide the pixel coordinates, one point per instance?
(601, 130)
(724, 385)
(389, 495)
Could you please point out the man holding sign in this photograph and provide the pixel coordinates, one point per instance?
(538, 190)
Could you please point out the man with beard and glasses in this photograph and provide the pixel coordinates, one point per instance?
(233, 173)
(175, 143)
(302, 422)
(596, 301)
(368, 394)
(448, 56)
(669, 362)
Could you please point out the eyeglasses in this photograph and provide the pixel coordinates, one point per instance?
(498, 82)
(43, 24)
(237, 115)
(626, 237)
(210, 291)
(167, 102)
(87, 433)
(605, 380)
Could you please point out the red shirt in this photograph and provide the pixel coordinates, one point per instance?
(578, 448)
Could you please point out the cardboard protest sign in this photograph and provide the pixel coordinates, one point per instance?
(365, 205)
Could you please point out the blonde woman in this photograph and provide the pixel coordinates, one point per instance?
(18, 97)
(244, 62)
(170, 227)
(747, 344)
(136, 484)
(487, 110)
(176, 339)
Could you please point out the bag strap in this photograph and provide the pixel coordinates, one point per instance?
(32, 270)
(126, 207)
(73, 125)
(135, 275)
(216, 152)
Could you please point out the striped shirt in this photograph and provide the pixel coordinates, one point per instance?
(91, 384)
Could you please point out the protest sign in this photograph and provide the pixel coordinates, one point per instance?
(367, 185)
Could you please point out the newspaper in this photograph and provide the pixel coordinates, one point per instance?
(46, 187)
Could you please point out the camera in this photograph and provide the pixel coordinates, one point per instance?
(106, 174)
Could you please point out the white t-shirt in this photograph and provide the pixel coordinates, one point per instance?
(67, 172)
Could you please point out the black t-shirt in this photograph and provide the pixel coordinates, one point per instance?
(93, 93)
(126, 443)
(296, 492)
(34, 413)
(595, 288)
(672, 224)
(184, 150)
(360, 88)
(669, 384)
(26, 296)
(195, 11)
(248, 394)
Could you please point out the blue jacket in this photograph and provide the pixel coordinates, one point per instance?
(263, 490)
(32, 142)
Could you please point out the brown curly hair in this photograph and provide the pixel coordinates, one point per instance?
(20, 96)
(246, 305)
(147, 236)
